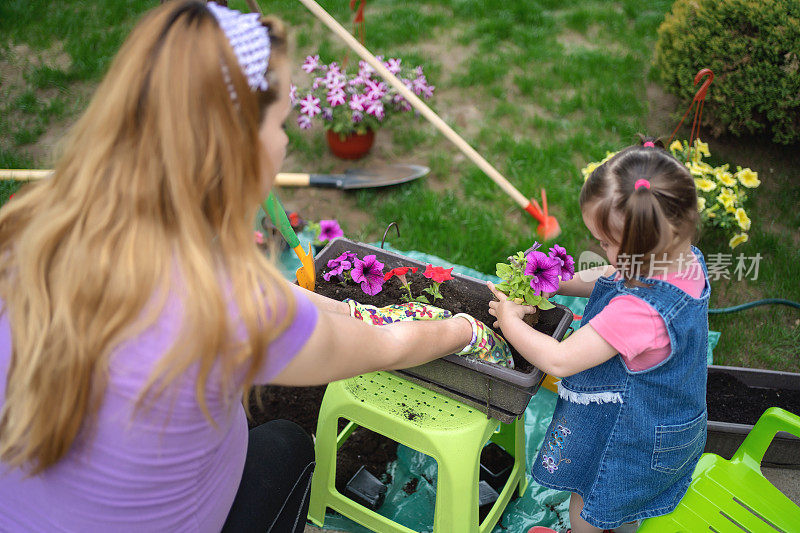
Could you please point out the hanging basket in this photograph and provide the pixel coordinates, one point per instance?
(354, 146)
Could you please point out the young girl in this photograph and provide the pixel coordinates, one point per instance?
(137, 310)
(630, 422)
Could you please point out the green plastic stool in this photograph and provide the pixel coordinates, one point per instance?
(447, 430)
(734, 495)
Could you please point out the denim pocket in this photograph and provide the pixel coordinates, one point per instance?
(678, 444)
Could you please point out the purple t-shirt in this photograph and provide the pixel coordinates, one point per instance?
(164, 468)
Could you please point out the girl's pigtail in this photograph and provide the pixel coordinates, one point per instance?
(648, 141)
(644, 231)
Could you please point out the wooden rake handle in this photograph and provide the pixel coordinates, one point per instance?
(418, 104)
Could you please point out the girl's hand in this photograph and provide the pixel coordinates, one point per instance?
(505, 309)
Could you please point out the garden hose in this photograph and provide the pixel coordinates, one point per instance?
(749, 305)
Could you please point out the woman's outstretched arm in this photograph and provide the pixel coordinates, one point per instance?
(342, 347)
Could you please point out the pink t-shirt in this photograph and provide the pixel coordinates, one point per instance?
(163, 468)
(635, 329)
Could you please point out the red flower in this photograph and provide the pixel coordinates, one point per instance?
(400, 272)
(294, 219)
(438, 274)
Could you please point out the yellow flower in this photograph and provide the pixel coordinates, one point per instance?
(730, 209)
(588, 169)
(701, 147)
(738, 239)
(705, 184)
(748, 178)
(701, 204)
(726, 197)
(742, 219)
(724, 177)
(676, 146)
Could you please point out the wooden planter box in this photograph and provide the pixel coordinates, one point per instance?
(500, 392)
(724, 437)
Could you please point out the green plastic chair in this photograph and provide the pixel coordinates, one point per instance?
(734, 495)
(447, 430)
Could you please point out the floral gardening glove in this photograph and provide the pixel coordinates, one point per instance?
(396, 312)
(486, 344)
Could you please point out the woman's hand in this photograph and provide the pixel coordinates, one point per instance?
(486, 344)
(396, 312)
(505, 309)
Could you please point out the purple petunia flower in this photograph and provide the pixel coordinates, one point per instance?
(337, 270)
(544, 271)
(310, 106)
(293, 94)
(375, 108)
(369, 273)
(419, 84)
(329, 230)
(393, 65)
(327, 113)
(358, 116)
(339, 265)
(357, 102)
(304, 122)
(565, 262)
(364, 69)
(349, 257)
(334, 67)
(335, 82)
(400, 103)
(311, 64)
(336, 97)
(375, 90)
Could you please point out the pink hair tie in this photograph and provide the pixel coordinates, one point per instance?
(641, 183)
(649, 144)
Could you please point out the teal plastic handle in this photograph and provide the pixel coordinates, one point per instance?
(278, 216)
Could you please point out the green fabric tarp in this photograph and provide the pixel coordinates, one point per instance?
(538, 506)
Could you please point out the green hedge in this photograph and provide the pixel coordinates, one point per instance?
(753, 48)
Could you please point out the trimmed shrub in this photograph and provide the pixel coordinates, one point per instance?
(753, 48)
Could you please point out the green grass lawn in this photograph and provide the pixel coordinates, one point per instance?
(539, 88)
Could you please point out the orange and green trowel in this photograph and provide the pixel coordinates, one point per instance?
(305, 274)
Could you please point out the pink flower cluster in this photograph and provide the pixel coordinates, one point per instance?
(335, 95)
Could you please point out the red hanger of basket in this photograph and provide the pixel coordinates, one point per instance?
(699, 99)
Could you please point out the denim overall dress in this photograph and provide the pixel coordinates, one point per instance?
(627, 442)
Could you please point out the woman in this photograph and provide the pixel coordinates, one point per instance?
(137, 310)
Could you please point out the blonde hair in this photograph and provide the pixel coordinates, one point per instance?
(645, 222)
(157, 188)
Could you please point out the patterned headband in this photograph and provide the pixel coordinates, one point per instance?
(250, 42)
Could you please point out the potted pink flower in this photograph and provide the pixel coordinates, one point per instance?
(353, 105)
(529, 277)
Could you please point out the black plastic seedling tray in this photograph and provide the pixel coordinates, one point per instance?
(500, 392)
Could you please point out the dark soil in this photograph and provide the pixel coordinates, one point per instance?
(730, 400)
(454, 298)
(411, 487)
(496, 458)
(301, 406)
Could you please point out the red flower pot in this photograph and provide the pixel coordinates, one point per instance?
(354, 146)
